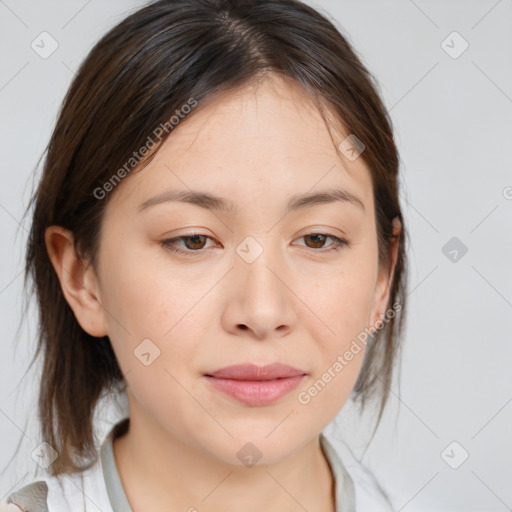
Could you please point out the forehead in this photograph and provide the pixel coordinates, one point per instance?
(263, 141)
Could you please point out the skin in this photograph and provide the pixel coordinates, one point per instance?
(296, 303)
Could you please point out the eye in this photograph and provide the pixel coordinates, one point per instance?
(195, 243)
(317, 240)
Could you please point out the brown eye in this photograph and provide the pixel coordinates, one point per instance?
(197, 241)
(318, 240)
(192, 244)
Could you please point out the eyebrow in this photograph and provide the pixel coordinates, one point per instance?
(213, 202)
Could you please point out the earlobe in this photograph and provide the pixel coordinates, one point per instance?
(77, 280)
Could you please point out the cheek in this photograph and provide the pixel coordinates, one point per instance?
(342, 350)
(342, 302)
(136, 292)
(343, 299)
(142, 301)
(340, 337)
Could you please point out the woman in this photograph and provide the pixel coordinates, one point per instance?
(217, 234)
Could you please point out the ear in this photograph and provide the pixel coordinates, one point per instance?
(383, 287)
(77, 280)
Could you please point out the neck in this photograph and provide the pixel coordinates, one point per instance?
(159, 472)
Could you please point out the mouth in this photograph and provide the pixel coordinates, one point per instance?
(256, 385)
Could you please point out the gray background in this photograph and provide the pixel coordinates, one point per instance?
(453, 122)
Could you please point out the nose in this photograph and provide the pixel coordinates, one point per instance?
(261, 303)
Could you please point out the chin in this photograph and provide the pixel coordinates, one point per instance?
(253, 446)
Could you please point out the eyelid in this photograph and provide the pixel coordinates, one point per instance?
(322, 230)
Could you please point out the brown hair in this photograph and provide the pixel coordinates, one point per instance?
(132, 81)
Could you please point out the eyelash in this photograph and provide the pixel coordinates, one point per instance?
(169, 244)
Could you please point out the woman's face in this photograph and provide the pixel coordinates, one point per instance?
(255, 283)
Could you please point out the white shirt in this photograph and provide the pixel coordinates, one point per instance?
(99, 488)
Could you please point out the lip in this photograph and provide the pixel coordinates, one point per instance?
(256, 385)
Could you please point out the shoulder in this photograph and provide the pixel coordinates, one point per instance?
(77, 492)
(369, 496)
(32, 497)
